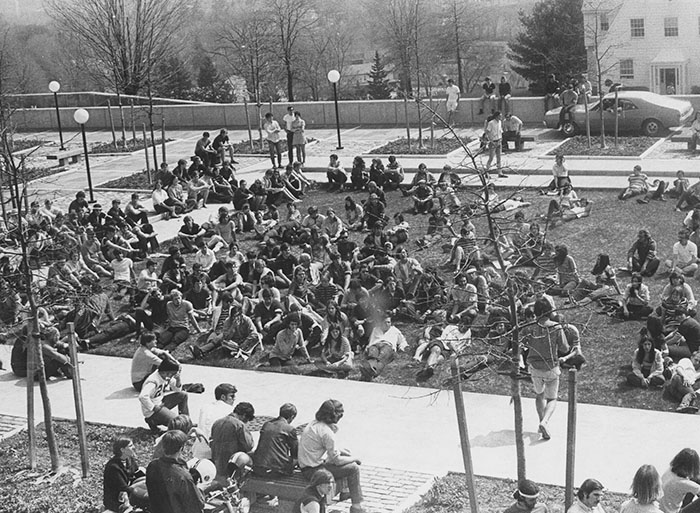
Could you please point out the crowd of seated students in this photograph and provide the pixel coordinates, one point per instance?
(305, 289)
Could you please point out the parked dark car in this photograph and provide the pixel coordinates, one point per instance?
(639, 111)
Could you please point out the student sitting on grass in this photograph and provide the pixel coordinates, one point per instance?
(639, 184)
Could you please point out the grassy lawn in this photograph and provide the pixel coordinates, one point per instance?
(608, 344)
(23, 490)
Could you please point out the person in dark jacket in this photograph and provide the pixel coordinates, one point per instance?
(278, 444)
(171, 487)
(122, 477)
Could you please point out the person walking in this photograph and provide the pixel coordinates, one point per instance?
(494, 134)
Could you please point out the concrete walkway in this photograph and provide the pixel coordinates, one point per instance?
(400, 427)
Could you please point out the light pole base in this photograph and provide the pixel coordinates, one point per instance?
(338, 147)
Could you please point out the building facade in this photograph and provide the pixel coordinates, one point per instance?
(645, 43)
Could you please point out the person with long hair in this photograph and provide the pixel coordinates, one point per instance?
(635, 304)
(354, 214)
(641, 257)
(647, 364)
(337, 354)
(359, 175)
(679, 480)
(123, 481)
(646, 491)
(566, 271)
(316, 495)
(299, 137)
(318, 450)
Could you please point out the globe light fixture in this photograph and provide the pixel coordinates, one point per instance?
(55, 87)
(334, 78)
(81, 116)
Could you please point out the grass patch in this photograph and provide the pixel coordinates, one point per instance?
(627, 146)
(607, 343)
(449, 495)
(441, 146)
(131, 146)
(137, 181)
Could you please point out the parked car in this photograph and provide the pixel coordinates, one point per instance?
(639, 111)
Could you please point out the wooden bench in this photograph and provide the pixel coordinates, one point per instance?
(288, 490)
(684, 136)
(64, 156)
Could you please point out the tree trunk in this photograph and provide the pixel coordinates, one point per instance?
(290, 81)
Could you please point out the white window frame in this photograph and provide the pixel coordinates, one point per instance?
(626, 70)
(640, 28)
(671, 26)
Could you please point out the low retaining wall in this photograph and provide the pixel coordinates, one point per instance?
(371, 113)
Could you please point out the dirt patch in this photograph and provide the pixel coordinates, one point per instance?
(440, 146)
(627, 146)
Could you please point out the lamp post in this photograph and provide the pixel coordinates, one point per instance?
(54, 87)
(333, 78)
(81, 117)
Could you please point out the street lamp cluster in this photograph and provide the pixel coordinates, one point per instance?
(81, 116)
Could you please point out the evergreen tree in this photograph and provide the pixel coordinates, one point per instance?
(552, 41)
(208, 76)
(378, 86)
(173, 79)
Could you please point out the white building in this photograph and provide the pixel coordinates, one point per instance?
(647, 43)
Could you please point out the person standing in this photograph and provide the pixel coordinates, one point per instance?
(278, 445)
(569, 99)
(512, 126)
(494, 134)
(288, 120)
(551, 92)
(452, 100)
(274, 140)
(171, 487)
(299, 137)
(545, 338)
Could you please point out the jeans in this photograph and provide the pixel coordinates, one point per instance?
(382, 354)
(163, 416)
(175, 336)
(290, 150)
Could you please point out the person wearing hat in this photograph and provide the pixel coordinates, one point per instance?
(161, 392)
(98, 220)
(526, 499)
(315, 496)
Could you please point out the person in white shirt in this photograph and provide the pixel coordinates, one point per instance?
(494, 134)
(452, 100)
(512, 126)
(205, 256)
(588, 498)
(123, 268)
(225, 395)
(451, 342)
(148, 277)
(288, 120)
(156, 404)
(384, 342)
(681, 386)
(274, 142)
(685, 255)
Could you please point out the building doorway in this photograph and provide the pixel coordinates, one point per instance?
(667, 80)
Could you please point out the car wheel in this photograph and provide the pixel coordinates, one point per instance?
(569, 128)
(652, 127)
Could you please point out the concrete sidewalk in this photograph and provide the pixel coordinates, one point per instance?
(400, 427)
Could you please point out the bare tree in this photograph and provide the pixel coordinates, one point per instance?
(121, 41)
(600, 50)
(292, 19)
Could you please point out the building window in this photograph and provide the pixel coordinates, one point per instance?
(604, 22)
(637, 27)
(627, 69)
(671, 27)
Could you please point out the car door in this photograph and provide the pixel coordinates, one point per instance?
(631, 116)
